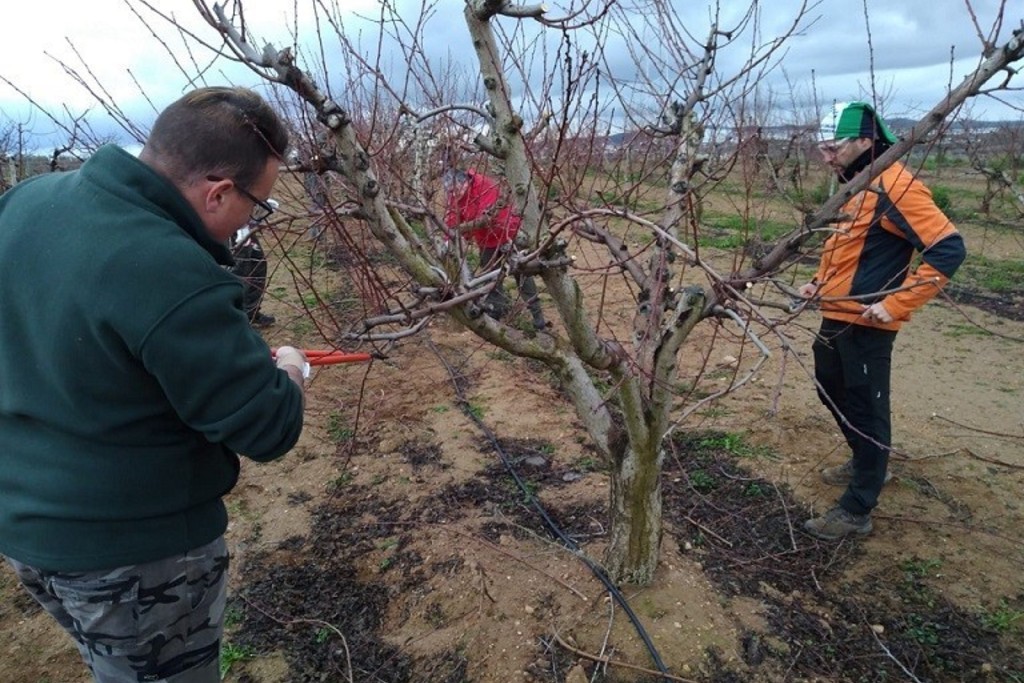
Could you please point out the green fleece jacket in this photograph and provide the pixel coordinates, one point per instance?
(129, 375)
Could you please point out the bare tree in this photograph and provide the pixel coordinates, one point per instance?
(672, 102)
(589, 156)
(998, 156)
(10, 151)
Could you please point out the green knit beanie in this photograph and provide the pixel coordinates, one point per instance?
(854, 120)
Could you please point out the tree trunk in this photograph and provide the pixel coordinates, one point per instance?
(635, 539)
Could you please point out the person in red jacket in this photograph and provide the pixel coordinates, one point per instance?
(475, 212)
(867, 290)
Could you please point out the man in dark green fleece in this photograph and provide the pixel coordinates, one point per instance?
(130, 379)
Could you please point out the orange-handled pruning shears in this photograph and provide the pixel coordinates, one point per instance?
(331, 356)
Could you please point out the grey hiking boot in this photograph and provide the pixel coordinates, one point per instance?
(837, 523)
(842, 475)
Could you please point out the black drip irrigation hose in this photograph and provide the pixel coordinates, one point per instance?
(595, 568)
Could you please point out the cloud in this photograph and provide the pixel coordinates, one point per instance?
(910, 47)
(908, 44)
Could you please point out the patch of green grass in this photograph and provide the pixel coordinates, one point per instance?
(1001, 276)
(317, 258)
(923, 631)
(233, 616)
(918, 568)
(230, 654)
(476, 410)
(388, 543)
(735, 444)
(587, 464)
(301, 326)
(613, 198)
(957, 330)
(725, 242)
(702, 481)
(1003, 618)
(943, 198)
(337, 429)
(532, 488)
(440, 409)
(820, 193)
(731, 231)
(941, 160)
(341, 481)
(755, 490)
(729, 441)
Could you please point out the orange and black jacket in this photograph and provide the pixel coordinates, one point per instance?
(870, 253)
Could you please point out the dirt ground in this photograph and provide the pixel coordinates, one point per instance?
(393, 544)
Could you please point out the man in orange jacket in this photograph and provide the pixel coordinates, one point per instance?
(473, 210)
(867, 291)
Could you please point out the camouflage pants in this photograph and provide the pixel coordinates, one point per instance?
(161, 621)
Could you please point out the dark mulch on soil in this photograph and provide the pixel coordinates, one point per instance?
(299, 603)
(420, 455)
(294, 602)
(745, 531)
(293, 605)
(1008, 305)
(750, 543)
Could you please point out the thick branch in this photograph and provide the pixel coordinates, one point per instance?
(486, 9)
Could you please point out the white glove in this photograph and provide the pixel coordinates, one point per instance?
(289, 355)
(877, 312)
(808, 290)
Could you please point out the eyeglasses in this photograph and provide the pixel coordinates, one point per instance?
(833, 148)
(261, 210)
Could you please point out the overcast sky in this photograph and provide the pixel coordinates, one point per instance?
(912, 39)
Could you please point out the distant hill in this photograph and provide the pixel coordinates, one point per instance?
(907, 124)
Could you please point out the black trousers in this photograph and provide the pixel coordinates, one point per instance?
(498, 300)
(853, 364)
(251, 267)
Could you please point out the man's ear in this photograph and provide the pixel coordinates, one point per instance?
(216, 194)
(206, 196)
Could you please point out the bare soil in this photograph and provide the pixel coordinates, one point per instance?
(394, 543)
